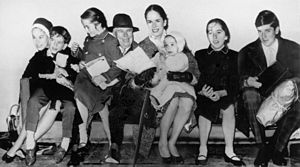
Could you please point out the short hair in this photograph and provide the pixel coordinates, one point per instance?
(95, 15)
(267, 17)
(223, 26)
(59, 30)
(160, 11)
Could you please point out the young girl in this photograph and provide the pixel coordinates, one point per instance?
(90, 98)
(173, 60)
(217, 88)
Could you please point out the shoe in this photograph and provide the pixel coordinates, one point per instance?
(74, 159)
(7, 158)
(201, 160)
(30, 156)
(234, 162)
(78, 155)
(177, 159)
(278, 158)
(59, 154)
(262, 158)
(50, 151)
(166, 160)
(113, 156)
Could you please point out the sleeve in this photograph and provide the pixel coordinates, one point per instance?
(243, 66)
(80, 52)
(31, 70)
(193, 66)
(112, 52)
(200, 63)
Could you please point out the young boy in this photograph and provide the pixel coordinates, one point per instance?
(55, 76)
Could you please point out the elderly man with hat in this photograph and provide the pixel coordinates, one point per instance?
(128, 100)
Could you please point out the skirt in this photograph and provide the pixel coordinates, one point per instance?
(92, 96)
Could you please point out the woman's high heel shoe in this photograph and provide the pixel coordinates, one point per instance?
(177, 159)
(234, 162)
(166, 160)
(201, 160)
(7, 158)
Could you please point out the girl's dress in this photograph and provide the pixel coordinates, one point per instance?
(92, 96)
(218, 70)
(166, 90)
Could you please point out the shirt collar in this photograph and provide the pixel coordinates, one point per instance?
(158, 42)
(102, 35)
(224, 50)
(274, 46)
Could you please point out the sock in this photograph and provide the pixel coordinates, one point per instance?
(82, 134)
(65, 143)
(30, 143)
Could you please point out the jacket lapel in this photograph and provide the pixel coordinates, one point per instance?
(259, 57)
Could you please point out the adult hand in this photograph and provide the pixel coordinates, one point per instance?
(74, 47)
(97, 80)
(252, 82)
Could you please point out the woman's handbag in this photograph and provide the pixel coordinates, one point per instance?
(276, 105)
(14, 122)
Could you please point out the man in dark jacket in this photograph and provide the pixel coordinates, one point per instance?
(256, 57)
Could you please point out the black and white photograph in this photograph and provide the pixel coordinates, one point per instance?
(150, 83)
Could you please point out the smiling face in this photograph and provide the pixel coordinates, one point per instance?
(40, 39)
(57, 43)
(267, 34)
(155, 24)
(170, 45)
(91, 28)
(124, 36)
(216, 36)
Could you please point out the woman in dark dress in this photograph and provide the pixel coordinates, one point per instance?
(216, 89)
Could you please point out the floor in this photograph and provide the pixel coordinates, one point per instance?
(98, 151)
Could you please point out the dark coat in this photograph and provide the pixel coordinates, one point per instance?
(252, 61)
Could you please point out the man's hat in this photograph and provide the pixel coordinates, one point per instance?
(122, 20)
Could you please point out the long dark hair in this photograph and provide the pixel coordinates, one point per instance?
(160, 11)
(223, 26)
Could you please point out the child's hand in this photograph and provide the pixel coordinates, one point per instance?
(215, 96)
(206, 91)
(75, 67)
(221, 93)
(47, 76)
(81, 65)
(74, 47)
(60, 72)
(97, 80)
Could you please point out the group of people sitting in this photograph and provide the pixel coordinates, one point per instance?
(113, 74)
